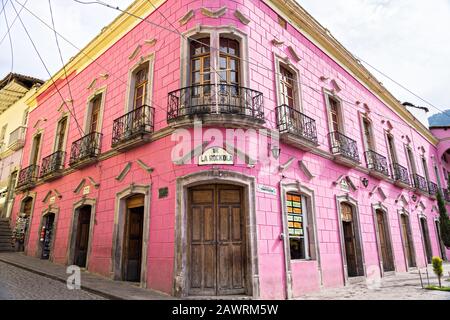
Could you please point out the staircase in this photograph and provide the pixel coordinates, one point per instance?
(5, 236)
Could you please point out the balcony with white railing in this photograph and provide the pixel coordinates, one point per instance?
(17, 138)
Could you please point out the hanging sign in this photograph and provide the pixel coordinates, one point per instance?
(215, 156)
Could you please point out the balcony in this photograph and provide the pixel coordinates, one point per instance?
(400, 176)
(133, 129)
(377, 164)
(52, 166)
(223, 105)
(420, 183)
(27, 178)
(446, 193)
(17, 138)
(296, 128)
(85, 151)
(432, 189)
(344, 149)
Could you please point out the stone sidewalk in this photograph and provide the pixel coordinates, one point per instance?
(401, 286)
(115, 290)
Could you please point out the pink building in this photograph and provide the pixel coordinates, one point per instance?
(133, 179)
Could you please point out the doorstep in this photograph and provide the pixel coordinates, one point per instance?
(115, 290)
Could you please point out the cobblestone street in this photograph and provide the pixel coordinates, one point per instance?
(18, 284)
(402, 286)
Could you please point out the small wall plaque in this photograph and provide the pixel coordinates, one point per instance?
(86, 190)
(267, 189)
(163, 193)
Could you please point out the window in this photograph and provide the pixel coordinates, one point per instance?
(412, 163)
(93, 124)
(35, 150)
(12, 185)
(391, 149)
(282, 22)
(140, 87)
(298, 227)
(229, 72)
(287, 87)
(2, 135)
(201, 66)
(425, 169)
(368, 136)
(334, 109)
(61, 134)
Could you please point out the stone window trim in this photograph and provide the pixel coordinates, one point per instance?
(70, 253)
(354, 203)
(99, 92)
(33, 147)
(381, 207)
(119, 230)
(393, 156)
(214, 33)
(148, 60)
(63, 115)
(51, 209)
(412, 165)
(404, 212)
(280, 61)
(327, 95)
(311, 210)
(364, 117)
(180, 270)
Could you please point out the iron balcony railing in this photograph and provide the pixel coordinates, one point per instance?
(27, 176)
(343, 145)
(400, 174)
(432, 188)
(133, 124)
(17, 136)
(52, 164)
(292, 121)
(446, 193)
(85, 148)
(420, 183)
(215, 99)
(377, 162)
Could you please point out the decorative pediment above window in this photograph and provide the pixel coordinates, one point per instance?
(345, 183)
(435, 209)
(144, 166)
(151, 42)
(407, 139)
(305, 170)
(388, 125)
(401, 199)
(122, 175)
(38, 123)
(187, 17)
(214, 14)
(92, 84)
(135, 52)
(83, 185)
(51, 196)
(277, 43)
(378, 190)
(294, 54)
(242, 18)
(335, 85)
(104, 76)
(287, 165)
(421, 206)
(422, 150)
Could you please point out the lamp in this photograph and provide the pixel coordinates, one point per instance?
(365, 182)
(276, 151)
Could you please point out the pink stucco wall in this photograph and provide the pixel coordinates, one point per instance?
(314, 64)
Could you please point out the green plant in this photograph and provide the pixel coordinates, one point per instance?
(438, 269)
(444, 221)
(446, 289)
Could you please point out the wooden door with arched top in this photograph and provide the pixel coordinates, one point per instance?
(351, 241)
(385, 242)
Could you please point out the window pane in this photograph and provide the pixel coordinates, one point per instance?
(223, 62)
(297, 248)
(296, 226)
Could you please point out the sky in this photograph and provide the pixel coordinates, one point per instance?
(408, 40)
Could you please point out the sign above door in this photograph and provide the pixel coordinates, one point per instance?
(216, 156)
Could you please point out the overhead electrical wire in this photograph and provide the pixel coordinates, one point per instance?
(12, 23)
(44, 64)
(11, 48)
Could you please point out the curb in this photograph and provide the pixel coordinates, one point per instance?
(57, 278)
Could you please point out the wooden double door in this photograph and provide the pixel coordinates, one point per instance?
(216, 241)
(82, 237)
(386, 255)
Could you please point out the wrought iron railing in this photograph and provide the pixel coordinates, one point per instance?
(133, 124)
(446, 193)
(420, 183)
(17, 135)
(400, 174)
(432, 188)
(27, 176)
(343, 145)
(292, 121)
(85, 148)
(52, 164)
(377, 162)
(215, 99)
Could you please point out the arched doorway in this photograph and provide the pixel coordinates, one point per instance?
(82, 236)
(426, 239)
(408, 246)
(216, 238)
(23, 223)
(384, 240)
(352, 250)
(47, 235)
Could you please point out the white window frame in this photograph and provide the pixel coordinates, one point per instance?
(279, 61)
(66, 134)
(328, 94)
(102, 93)
(150, 61)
